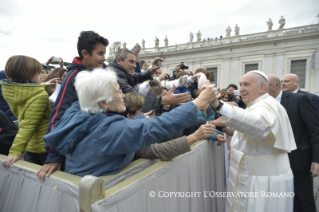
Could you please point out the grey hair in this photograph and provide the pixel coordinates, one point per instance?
(122, 56)
(273, 79)
(93, 87)
(261, 80)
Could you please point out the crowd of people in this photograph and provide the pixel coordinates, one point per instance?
(105, 116)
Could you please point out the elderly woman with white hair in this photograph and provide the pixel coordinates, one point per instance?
(96, 139)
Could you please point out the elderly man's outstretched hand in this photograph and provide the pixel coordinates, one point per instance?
(47, 169)
(209, 94)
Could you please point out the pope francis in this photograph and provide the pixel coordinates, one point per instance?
(260, 177)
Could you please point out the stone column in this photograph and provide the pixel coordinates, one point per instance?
(195, 65)
(315, 71)
(234, 73)
(279, 70)
(225, 74)
(269, 64)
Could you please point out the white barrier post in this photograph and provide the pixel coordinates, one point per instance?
(91, 190)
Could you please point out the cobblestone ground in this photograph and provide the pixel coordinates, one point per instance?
(316, 191)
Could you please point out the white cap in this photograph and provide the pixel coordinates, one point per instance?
(262, 74)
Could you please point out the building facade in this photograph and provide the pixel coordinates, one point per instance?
(279, 52)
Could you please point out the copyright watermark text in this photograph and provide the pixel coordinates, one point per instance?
(213, 194)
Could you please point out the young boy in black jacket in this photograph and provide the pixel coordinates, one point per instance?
(91, 49)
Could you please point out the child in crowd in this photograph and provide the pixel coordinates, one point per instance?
(91, 49)
(169, 149)
(29, 102)
(58, 73)
(209, 115)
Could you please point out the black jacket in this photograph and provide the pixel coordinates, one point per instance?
(304, 121)
(127, 82)
(66, 97)
(314, 99)
(8, 131)
(3, 104)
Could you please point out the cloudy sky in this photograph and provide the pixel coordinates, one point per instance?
(41, 29)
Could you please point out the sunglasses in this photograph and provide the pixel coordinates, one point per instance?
(124, 50)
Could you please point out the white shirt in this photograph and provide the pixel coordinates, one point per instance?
(278, 98)
(226, 110)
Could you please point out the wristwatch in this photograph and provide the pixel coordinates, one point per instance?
(219, 106)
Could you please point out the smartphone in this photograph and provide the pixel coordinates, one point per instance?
(236, 92)
(158, 62)
(136, 49)
(56, 59)
(151, 104)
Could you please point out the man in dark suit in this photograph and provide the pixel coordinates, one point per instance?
(290, 83)
(304, 121)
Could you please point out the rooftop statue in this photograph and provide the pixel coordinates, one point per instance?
(228, 31)
(166, 41)
(269, 23)
(199, 36)
(191, 37)
(143, 44)
(237, 30)
(282, 22)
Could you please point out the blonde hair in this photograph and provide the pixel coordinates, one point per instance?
(133, 103)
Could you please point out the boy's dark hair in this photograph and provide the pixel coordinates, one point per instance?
(88, 41)
(233, 86)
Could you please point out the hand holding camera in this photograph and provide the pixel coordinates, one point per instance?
(183, 66)
(50, 60)
(164, 76)
(155, 66)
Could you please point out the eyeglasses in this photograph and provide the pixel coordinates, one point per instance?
(124, 50)
(119, 92)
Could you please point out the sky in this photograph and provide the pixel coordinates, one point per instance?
(42, 28)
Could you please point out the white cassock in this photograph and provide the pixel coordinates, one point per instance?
(259, 166)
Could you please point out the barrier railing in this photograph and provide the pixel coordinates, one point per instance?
(200, 170)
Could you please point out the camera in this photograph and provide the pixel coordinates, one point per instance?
(183, 66)
(171, 77)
